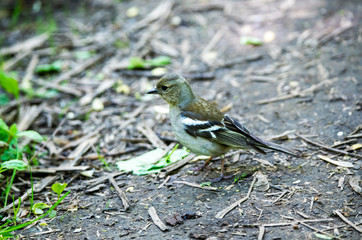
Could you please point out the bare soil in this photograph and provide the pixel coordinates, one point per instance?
(304, 80)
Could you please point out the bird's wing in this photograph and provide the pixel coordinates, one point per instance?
(227, 132)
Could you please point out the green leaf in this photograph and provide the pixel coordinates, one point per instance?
(160, 61)
(136, 62)
(38, 207)
(151, 162)
(14, 164)
(322, 236)
(58, 188)
(251, 41)
(46, 68)
(30, 134)
(13, 129)
(9, 84)
(3, 125)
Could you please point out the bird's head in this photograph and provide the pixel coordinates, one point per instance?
(174, 89)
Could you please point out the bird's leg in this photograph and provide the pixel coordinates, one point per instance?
(222, 172)
(207, 162)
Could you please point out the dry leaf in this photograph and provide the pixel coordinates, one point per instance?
(355, 184)
(262, 183)
(337, 163)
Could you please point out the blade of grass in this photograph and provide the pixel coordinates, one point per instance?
(13, 228)
(32, 189)
(8, 187)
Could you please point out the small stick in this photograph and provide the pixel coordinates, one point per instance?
(93, 156)
(167, 170)
(164, 182)
(347, 221)
(281, 195)
(302, 93)
(327, 148)
(239, 60)
(359, 135)
(303, 214)
(145, 227)
(30, 71)
(18, 57)
(261, 232)
(121, 194)
(225, 211)
(311, 204)
(195, 185)
(103, 178)
(59, 169)
(26, 45)
(156, 220)
(358, 128)
(317, 230)
(343, 142)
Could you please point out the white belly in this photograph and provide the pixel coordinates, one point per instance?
(198, 145)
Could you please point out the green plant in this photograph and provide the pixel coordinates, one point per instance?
(9, 141)
(5, 232)
(240, 177)
(136, 62)
(58, 188)
(16, 210)
(9, 84)
(10, 152)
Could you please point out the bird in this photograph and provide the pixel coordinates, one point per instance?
(202, 128)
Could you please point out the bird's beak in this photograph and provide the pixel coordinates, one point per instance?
(153, 91)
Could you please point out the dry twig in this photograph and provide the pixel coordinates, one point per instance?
(347, 221)
(195, 185)
(302, 93)
(26, 45)
(225, 211)
(121, 194)
(326, 147)
(170, 168)
(156, 220)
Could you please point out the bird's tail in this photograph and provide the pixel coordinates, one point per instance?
(277, 147)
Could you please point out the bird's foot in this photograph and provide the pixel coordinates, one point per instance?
(202, 167)
(222, 177)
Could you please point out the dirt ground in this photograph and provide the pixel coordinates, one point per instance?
(303, 83)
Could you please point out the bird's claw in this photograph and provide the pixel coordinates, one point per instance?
(222, 177)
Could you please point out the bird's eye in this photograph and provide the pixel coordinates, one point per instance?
(164, 88)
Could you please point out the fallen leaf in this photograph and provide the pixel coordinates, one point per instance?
(354, 182)
(337, 163)
(147, 163)
(88, 173)
(262, 183)
(356, 146)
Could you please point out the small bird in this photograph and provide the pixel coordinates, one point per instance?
(202, 127)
